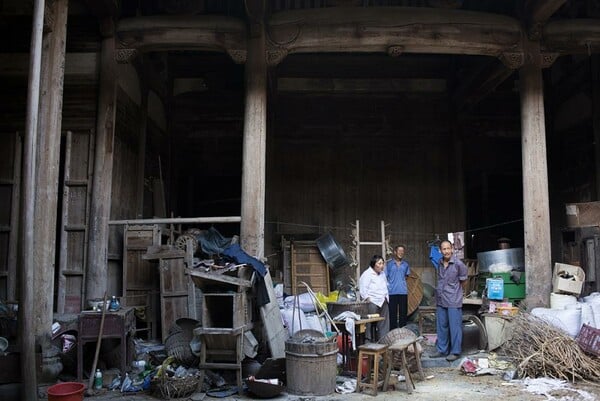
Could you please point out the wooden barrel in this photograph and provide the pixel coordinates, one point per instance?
(311, 367)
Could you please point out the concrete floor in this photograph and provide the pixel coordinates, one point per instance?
(442, 384)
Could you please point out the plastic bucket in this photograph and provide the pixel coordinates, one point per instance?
(68, 391)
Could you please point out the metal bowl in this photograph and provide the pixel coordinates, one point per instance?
(264, 390)
(332, 252)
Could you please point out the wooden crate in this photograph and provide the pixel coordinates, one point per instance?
(589, 339)
(308, 266)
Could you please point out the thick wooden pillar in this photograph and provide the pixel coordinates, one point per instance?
(97, 266)
(142, 150)
(27, 296)
(536, 210)
(47, 169)
(254, 159)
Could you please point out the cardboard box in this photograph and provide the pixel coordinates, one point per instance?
(567, 279)
(583, 214)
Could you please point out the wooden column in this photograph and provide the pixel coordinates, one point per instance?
(536, 210)
(27, 296)
(47, 169)
(97, 266)
(142, 150)
(595, 78)
(254, 160)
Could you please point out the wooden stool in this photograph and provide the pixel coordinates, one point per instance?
(401, 347)
(373, 352)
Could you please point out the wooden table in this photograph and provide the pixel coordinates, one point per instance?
(360, 328)
(119, 324)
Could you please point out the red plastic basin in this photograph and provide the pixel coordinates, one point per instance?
(68, 391)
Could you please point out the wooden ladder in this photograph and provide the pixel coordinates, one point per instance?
(360, 243)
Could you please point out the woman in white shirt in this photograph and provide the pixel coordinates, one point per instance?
(374, 289)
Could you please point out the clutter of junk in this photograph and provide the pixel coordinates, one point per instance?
(220, 325)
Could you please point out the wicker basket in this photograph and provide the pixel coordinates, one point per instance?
(176, 387)
(177, 345)
(335, 308)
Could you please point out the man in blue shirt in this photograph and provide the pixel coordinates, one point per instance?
(396, 270)
(452, 274)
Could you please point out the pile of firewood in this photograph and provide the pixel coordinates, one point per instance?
(540, 349)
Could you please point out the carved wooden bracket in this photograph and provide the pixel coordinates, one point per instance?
(275, 55)
(395, 51)
(124, 56)
(237, 55)
(512, 60)
(547, 59)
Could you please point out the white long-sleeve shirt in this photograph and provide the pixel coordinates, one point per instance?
(373, 286)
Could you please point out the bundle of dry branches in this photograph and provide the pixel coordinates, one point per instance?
(539, 349)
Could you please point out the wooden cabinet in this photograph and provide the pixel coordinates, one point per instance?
(120, 324)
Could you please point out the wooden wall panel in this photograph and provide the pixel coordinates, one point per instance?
(10, 160)
(408, 179)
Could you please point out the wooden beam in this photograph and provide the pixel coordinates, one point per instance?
(77, 65)
(574, 36)
(482, 83)
(333, 85)
(540, 11)
(394, 30)
(379, 29)
(198, 32)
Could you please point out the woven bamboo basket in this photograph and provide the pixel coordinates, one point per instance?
(176, 387)
(177, 344)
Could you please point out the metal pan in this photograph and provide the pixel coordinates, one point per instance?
(332, 252)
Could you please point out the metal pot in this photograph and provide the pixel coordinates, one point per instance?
(332, 252)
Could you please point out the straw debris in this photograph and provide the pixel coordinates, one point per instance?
(540, 349)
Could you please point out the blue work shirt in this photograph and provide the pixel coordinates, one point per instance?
(449, 292)
(396, 276)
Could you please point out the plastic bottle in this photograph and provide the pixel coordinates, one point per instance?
(115, 305)
(98, 379)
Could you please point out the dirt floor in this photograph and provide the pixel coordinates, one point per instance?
(442, 384)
